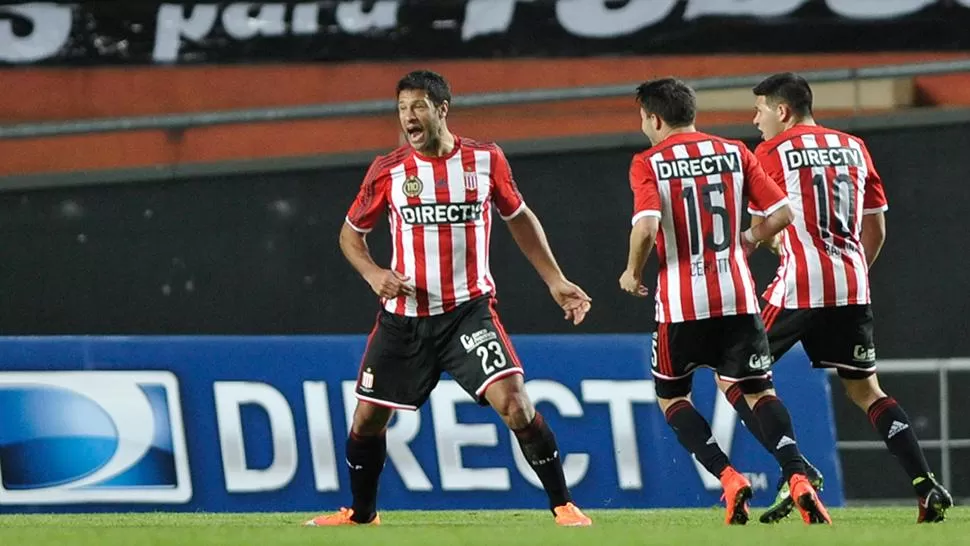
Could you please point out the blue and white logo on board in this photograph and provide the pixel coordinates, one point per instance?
(92, 437)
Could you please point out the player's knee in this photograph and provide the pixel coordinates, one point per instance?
(509, 399)
(756, 389)
(666, 403)
(863, 391)
(757, 386)
(370, 419)
(516, 411)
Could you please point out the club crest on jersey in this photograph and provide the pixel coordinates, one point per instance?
(412, 186)
(471, 180)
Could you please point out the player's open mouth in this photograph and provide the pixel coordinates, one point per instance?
(415, 133)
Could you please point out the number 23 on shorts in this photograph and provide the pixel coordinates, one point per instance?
(492, 356)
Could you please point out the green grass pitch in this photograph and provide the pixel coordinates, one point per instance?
(855, 526)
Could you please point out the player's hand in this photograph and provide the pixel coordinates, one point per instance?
(572, 300)
(390, 284)
(749, 247)
(631, 284)
(773, 244)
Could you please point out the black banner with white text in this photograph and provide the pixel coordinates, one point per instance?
(106, 33)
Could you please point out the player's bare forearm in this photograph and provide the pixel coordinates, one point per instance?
(353, 244)
(531, 238)
(774, 242)
(385, 283)
(771, 225)
(642, 238)
(873, 235)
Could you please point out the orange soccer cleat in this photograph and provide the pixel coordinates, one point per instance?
(569, 515)
(340, 518)
(737, 493)
(807, 501)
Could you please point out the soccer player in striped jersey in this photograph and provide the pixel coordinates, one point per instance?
(689, 190)
(820, 295)
(438, 311)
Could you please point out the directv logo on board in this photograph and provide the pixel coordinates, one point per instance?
(92, 436)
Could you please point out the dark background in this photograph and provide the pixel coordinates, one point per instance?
(257, 253)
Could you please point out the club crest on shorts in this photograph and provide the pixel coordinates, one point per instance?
(471, 180)
(367, 379)
(412, 186)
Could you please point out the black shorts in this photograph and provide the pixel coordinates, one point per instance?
(833, 337)
(735, 347)
(405, 356)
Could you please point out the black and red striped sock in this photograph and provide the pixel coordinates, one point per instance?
(736, 397)
(694, 433)
(365, 457)
(779, 434)
(538, 444)
(892, 424)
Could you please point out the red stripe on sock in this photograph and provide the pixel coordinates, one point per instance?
(532, 429)
(674, 408)
(763, 400)
(734, 394)
(879, 407)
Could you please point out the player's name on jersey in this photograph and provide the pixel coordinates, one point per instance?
(701, 268)
(698, 166)
(824, 157)
(442, 213)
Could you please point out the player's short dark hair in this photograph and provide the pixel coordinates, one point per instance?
(788, 88)
(432, 83)
(670, 99)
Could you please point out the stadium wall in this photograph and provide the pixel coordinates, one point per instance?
(255, 252)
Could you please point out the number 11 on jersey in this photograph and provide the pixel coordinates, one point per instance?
(843, 206)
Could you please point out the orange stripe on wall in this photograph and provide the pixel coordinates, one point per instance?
(36, 93)
(147, 148)
(54, 93)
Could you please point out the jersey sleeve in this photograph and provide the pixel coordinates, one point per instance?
(371, 200)
(874, 200)
(505, 193)
(646, 198)
(765, 193)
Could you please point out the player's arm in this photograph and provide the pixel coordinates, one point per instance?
(769, 163)
(770, 226)
(360, 220)
(528, 234)
(873, 235)
(384, 282)
(646, 224)
(874, 206)
(773, 244)
(642, 238)
(531, 239)
(766, 198)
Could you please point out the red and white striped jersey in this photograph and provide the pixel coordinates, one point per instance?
(831, 182)
(697, 184)
(440, 215)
